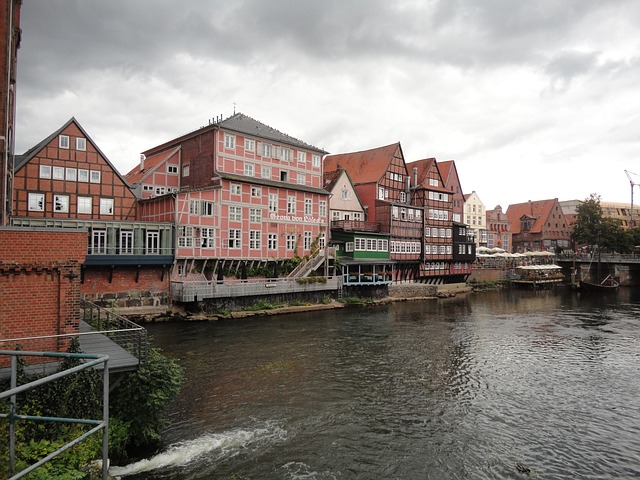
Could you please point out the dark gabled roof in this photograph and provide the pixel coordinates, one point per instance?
(22, 160)
(244, 124)
(330, 179)
(367, 166)
(271, 183)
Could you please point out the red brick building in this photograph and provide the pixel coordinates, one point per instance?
(538, 226)
(39, 286)
(381, 179)
(66, 182)
(498, 229)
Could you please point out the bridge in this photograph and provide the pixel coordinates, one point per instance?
(626, 268)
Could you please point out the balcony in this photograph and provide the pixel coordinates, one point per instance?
(356, 226)
(116, 243)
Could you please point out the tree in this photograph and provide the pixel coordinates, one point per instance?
(588, 227)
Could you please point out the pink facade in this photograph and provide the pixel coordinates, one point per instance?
(243, 196)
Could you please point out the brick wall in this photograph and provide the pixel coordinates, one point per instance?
(39, 286)
(126, 286)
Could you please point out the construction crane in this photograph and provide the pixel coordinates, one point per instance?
(632, 223)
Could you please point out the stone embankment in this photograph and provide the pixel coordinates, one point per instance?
(398, 292)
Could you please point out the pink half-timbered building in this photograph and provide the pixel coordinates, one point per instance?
(248, 196)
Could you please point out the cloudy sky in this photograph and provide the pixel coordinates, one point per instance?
(533, 99)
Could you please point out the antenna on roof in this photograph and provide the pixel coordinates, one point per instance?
(234, 108)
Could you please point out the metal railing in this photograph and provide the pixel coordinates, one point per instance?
(190, 291)
(120, 330)
(356, 226)
(16, 389)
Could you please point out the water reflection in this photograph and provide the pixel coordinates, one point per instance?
(456, 388)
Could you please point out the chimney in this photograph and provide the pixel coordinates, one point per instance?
(142, 159)
(415, 176)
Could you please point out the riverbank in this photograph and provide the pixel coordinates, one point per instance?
(400, 292)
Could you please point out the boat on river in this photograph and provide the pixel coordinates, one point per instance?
(609, 284)
(538, 276)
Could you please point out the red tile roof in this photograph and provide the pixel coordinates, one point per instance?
(539, 209)
(139, 172)
(367, 166)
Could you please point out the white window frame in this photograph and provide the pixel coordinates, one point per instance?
(36, 202)
(255, 237)
(235, 238)
(229, 141)
(172, 169)
(57, 173)
(84, 205)
(106, 206)
(249, 169)
(273, 203)
(207, 237)
(256, 192)
(249, 145)
(302, 157)
(307, 240)
(60, 203)
(83, 175)
(322, 208)
(236, 189)
(291, 205)
(152, 242)
(45, 171)
(71, 174)
(185, 171)
(126, 242)
(63, 142)
(308, 206)
(255, 215)
(94, 176)
(272, 241)
(98, 241)
(235, 213)
(81, 144)
(265, 172)
(301, 179)
(315, 160)
(291, 242)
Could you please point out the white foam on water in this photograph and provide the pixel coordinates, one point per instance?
(185, 452)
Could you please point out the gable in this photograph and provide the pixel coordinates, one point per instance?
(367, 166)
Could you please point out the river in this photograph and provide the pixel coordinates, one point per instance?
(495, 385)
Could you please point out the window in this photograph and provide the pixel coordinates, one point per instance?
(95, 176)
(255, 215)
(106, 206)
(63, 141)
(172, 169)
(98, 242)
(403, 197)
(285, 154)
(61, 203)
(315, 160)
(307, 240)
(380, 193)
(335, 215)
(266, 150)
(302, 179)
(256, 192)
(207, 238)
(194, 207)
(249, 145)
(345, 193)
(229, 141)
(236, 189)
(308, 206)
(83, 175)
(36, 202)
(383, 245)
(322, 208)
(85, 205)
(235, 214)
(249, 169)
(58, 173)
(71, 174)
(234, 237)
(291, 205)
(207, 208)
(265, 172)
(273, 203)
(45, 171)
(185, 236)
(126, 242)
(348, 247)
(360, 244)
(284, 176)
(291, 242)
(153, 242)
(272, 241)
(394, 212)
(302, 157)
(81, 144)
(254, 239)
(185, 171)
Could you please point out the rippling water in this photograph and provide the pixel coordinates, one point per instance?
(466, 388)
